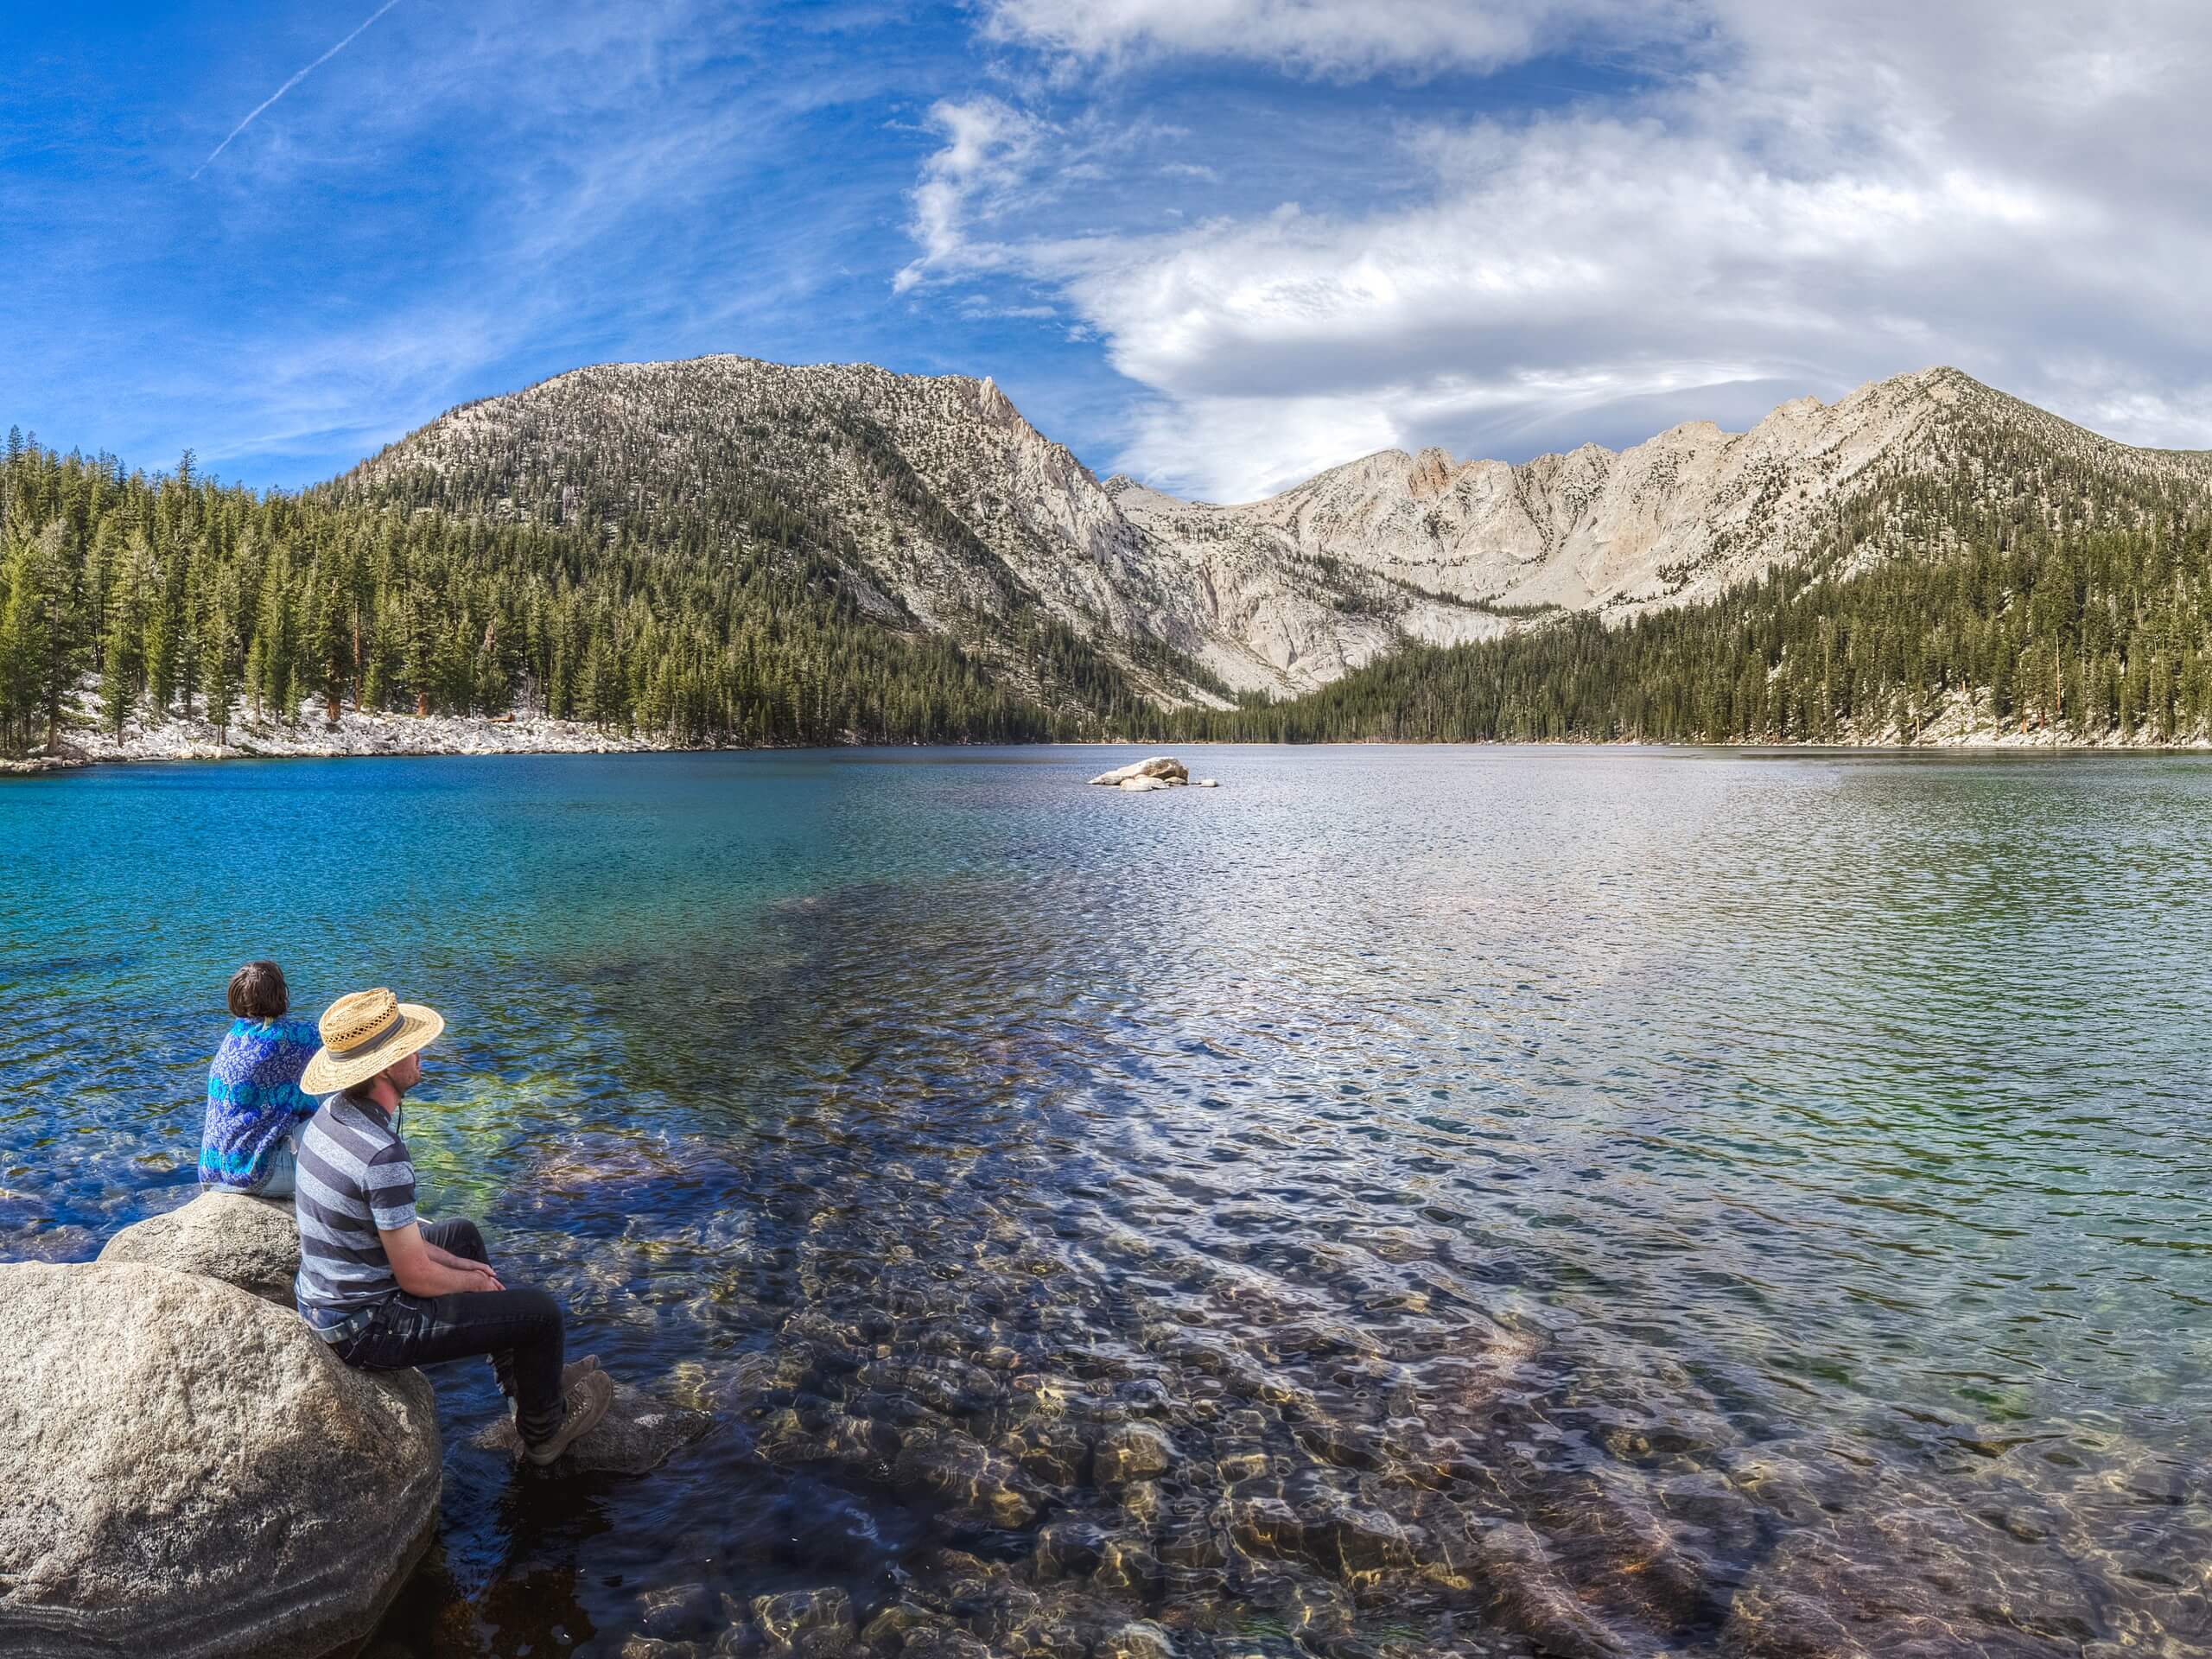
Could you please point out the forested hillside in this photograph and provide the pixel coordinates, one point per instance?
(174, 594)
(2044, 599)
(929, 498)
(732, 552)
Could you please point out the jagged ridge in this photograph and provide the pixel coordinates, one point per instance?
(947, 510)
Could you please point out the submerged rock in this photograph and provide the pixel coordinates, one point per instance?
(1068, 1548)
(1163, 767)
(785, 1619)
(191, 1472)
(1133, 1451)
(1138, 1639)
(960, 1470)
(638, 1433)
(253, 1244)
(895, 1627)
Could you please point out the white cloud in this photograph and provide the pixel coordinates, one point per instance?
(1816, 195)
(987, 143)
(1319, 37)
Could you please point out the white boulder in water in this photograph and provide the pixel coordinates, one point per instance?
(1163, 768)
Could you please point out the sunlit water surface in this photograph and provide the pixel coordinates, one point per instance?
(1546, 1201)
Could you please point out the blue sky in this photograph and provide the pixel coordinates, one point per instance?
(1217, 243)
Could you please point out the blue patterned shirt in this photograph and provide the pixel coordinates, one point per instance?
(254, 1102)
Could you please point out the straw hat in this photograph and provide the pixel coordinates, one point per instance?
(364, 1032)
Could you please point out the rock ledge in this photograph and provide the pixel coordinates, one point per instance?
(1160, 772)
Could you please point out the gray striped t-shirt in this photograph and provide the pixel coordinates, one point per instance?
(354, 1179)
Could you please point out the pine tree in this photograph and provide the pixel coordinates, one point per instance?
(67, 644)
(271, 649)
(119, 671)
(328, 642)
(218, 665)
(159, 652)
(123, 661)
(23, 643)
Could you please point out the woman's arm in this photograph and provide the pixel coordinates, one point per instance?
(301, 1038)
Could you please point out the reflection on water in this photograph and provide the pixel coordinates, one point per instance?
(1403, 1202)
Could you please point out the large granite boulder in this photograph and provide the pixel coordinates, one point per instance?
(1165, 767)
(253, 1244)
(190, 1473)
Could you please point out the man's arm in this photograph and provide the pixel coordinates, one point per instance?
(446, 1258)
(415, 1263)
(421, 1268)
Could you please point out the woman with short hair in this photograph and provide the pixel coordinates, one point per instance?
(255, 1105)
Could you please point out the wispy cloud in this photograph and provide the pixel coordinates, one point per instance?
(1330, 38)
(987, 144)
(254, 114)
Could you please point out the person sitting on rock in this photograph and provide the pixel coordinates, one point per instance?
(256, 1107)
(383, 1290)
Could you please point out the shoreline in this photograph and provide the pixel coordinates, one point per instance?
(359, 734)
(598, 743)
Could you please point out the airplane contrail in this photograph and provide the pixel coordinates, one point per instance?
(288, 85)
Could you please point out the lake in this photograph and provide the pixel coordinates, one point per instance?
(1532, 1200)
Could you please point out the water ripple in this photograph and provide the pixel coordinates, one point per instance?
(1523, 1201)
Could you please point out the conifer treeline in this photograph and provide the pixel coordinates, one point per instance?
(2095, 634)
(180, 595)
(2018, 584)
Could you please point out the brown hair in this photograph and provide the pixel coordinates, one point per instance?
(257, 992)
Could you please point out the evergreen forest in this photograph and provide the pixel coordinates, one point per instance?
(2091, 621)
(2024, 593)
(174, 595)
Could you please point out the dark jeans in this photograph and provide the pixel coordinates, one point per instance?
(519, 1329)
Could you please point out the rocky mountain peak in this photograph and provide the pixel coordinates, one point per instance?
(944, 508)
(1431, 474)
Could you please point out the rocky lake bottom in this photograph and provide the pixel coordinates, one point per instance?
(1402, 1202)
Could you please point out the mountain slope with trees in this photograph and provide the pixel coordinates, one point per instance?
(173, 595)
(2047, 600)
(728, 552)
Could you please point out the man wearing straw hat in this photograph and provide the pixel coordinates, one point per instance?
(385, 1292)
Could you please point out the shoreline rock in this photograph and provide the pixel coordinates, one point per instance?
(192, 1474)
(251, 1242)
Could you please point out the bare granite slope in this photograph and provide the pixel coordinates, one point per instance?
(1677, 518)
(945, 509)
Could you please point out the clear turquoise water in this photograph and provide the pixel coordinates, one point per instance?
(1728, 1190)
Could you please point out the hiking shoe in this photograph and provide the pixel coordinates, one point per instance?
(574, 1372)
(587, 1402)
